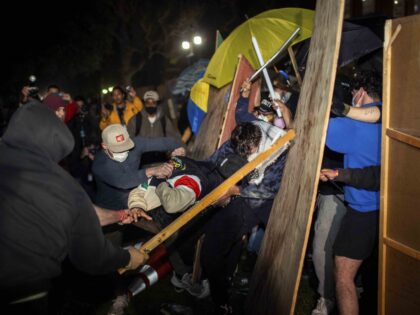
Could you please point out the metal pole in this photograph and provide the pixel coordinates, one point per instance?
(265, 72)
(272, 59)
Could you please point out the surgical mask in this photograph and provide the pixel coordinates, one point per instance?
(353, 101)
(120, 157)
(357, 96)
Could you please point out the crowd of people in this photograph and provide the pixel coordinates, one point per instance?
(74, 175)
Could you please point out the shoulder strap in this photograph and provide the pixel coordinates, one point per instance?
(163, 122)
(139, 120)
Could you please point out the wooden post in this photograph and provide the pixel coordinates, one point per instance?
(276, 277)
(399, 235)
(295, 65)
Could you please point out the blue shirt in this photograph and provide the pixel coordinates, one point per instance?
(360, 143)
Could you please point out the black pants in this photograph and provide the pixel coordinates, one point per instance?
(222, 243)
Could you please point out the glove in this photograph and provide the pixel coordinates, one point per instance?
(137, 258)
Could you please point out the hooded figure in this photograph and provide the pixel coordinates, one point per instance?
(44, 214)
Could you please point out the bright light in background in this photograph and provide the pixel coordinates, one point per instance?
(104, 91)
(186, 45)
(396, 2)
(110, 89)
(197, 40)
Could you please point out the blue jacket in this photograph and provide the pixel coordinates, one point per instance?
(360, 143)
(115, 180)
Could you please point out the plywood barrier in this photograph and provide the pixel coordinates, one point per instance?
(276, 277)
(243, 71)
(399, 278)
(208, 135)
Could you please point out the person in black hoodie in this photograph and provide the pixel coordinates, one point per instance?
(44, 214)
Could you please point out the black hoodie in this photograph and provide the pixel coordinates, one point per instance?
(44, 214)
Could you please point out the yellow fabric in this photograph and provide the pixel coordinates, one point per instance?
(200, 94)
(131, 109)
(271, 29)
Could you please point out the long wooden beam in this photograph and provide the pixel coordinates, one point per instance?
(214, 195)
(276, 277)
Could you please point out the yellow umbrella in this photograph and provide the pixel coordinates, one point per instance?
(271, 29)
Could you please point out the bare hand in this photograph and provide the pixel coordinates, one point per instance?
(225, 198)
(137, 258)
(25, 91)
(328, 174)
(137, 213)
(132, 92)
(246, 88)
(105, 112)
(285, 111)
(179, 152)
(162, 171)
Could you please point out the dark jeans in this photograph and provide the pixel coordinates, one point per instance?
(222, 243)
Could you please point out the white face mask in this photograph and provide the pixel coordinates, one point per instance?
(357, 96)
(120, 157)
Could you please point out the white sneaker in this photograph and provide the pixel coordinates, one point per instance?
(183, 283)
(118, 305)
(199, 289)
(323, 307)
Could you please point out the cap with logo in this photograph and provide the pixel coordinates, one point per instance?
(152, 95)
(116, 138)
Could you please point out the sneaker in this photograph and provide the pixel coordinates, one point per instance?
(118, 305)
(183, 283)
(323, 307)
(200, 289)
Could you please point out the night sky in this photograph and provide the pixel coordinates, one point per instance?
(73, 43)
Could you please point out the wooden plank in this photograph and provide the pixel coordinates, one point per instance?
(402, 294)
(402, 248)
(403, 194)
(276, 277)
(399, 232)
(295, 65)
(383, 213)
(214, 195)
(243, 70)
(206, 141)
(402, 136)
